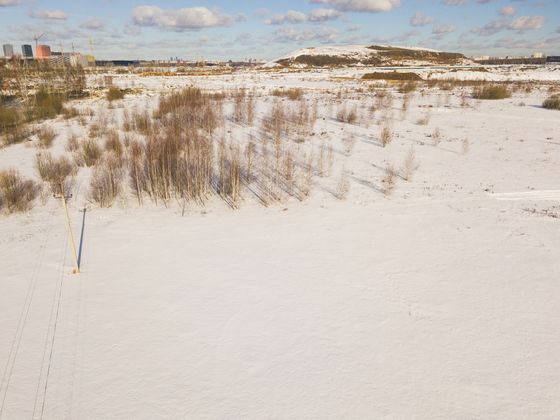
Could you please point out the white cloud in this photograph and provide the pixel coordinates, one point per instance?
(93, 24)
(371, 6)
(263, 11)
(441, 30)
(5, 3)
(524, 23)
(48, 14)
(508, 44)
(291, 16)
(289, 34)
(193, 18)
(420, 19)
(323, 15)
(455, 2)
(521, 24)
(507, 11)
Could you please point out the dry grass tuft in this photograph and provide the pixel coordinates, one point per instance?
(343, 185)
(114, 94)
(293, 94)
(389, 180)
(46, 136)
(492, 92)
(410, 165)
(465, 145)
(552, 102)
(72, 144)
(386, 136)
(408, 87)
(346, 115)
(349, 141)
(425, 120)
(436, 137)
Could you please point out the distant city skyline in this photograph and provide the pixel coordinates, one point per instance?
(266, 29)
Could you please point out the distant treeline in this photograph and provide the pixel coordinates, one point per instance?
(533, 61)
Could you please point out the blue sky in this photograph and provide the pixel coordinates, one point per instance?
(159, 29)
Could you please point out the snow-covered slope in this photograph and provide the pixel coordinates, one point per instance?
(439, 301)
(359, 55)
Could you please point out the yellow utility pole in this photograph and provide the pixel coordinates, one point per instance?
(70, 234)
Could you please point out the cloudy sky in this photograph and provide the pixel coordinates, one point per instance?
(220, 29)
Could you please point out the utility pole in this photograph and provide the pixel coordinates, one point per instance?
(69, 228)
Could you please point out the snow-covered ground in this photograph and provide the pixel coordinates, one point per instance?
(439, 301)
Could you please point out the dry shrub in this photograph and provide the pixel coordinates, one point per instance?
(113, 143)
(177, 160)
(383, 100)
(407, 87)
(405, 104)
(389, 180)
(142, 122)
(181, 158)
(436, 137)
(70, 112)
(55, 172)
(464, 100)
(89, 153)
(12, 126)
(552, 102)
(466, 145)
(72, 144)
(349, 141)
(239, 109)
(188, 107)
(250, 105)
(250, 151)
(106, 182)
(94, 131)
(275, 123)
(45, 104)
(346, 115)
(386, 136)
(343, 185)
(409, 165)
(243, 107)
(114, 94)
(127, 124)
(305, 183)
(393, 75)
(492, 92)
(229, 173)
(425, 120)
(16, 193)
(46, 136)
(293, 94)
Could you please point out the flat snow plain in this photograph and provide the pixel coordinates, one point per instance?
(439, 301)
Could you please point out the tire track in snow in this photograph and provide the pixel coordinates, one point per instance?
(537, 195)
(14, 349)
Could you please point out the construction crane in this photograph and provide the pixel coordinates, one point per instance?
(36, 38)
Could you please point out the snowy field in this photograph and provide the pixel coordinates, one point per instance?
(433, 298)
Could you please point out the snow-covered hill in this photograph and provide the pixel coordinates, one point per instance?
(362, 55)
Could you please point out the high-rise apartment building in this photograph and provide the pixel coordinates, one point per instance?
(8, 50)
(27, 51)
(43, 51)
